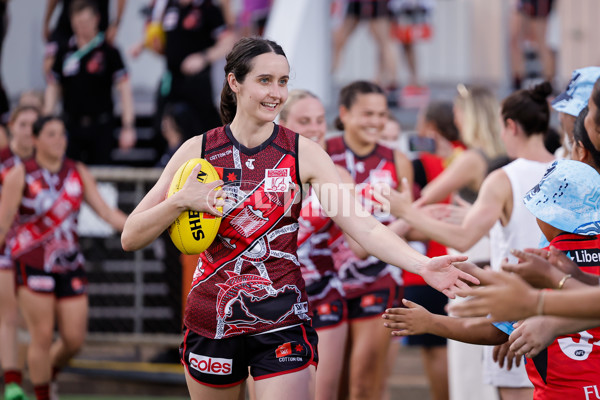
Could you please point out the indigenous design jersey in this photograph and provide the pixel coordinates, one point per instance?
(46, 234)
(249, 281)
(362, 276)
(314, 253)
(568, 368)
(7, 161)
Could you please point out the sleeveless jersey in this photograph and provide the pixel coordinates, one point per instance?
(521, 231)
(46, 232)
(249, 281)
(363, 276)
(568, 368)
(7, 160)
(314, 254)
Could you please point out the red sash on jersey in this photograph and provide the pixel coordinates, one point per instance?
(32, 233)
(249, 220)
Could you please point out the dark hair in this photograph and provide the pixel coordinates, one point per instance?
(596, 99)
(78, 6)
(239, 63)
(350, 92)
(39, 124)
(552, 140)
(529, 108)
(580, 134)
(441, 115)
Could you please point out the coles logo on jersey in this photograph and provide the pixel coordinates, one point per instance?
(210, 365)
(291, 351)
(277, 180)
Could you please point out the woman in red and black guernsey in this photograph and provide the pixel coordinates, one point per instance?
(371, 285)
(247, 308)
(46, 191)
(20, 148)
(304, 113)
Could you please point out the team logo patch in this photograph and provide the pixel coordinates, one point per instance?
(78, 285)
(170, 19)
(70, 65)
(41, 283)
(301, 308)
(277, 180)
(381, 176)
(291, 351)
(192, 20)
(372, 303)
(231, 176)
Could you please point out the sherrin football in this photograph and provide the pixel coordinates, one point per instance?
(193, 232)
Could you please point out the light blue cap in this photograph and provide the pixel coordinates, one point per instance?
(568, 198)
(578, 92)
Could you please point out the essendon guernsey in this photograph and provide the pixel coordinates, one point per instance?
(569, 367)
(46, 232)
(361, 276)
(249, 281)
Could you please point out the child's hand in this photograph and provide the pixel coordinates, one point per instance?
(412, 320)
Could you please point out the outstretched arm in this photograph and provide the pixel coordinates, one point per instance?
(115, 217)
(339, 203)
(495, 193)
(12, 193)
(416, 320)
(508, 297)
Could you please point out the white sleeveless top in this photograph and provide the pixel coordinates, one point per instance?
(521, 231)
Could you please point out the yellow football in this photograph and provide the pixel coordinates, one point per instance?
(192, 232)
(155, 37)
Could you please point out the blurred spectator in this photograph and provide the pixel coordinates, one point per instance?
(4, 103)
(33, 98)
(529, 21)
(195, 36)
(62, 31)
(377, 14)
(253, 17)
(85, 72)
(176, 129)
(411, 23)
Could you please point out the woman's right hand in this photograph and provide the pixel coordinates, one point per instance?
(202, 197)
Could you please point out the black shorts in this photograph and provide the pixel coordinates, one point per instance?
(434, 302)
(62, 285)
(535, 8)
(328, 314)
(225, 362)
(368, 9)
(371, 304)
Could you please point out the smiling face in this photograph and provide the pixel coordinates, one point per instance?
(366, 118)
(307, 118)
(264, 90)
(51, 142)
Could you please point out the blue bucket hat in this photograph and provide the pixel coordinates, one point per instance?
(578, 92)
(568, 198)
